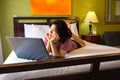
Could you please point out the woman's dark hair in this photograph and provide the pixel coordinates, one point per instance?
(63, 31)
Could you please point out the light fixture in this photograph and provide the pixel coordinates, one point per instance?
(91, 18)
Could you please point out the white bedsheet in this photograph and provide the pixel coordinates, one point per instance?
(89, 50)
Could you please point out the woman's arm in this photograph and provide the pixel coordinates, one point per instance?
(48, 46)
(55, 52)
(53, 48)
(78, 39)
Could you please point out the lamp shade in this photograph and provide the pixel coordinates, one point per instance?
(91, 17)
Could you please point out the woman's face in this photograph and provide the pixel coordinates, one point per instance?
(52, 32)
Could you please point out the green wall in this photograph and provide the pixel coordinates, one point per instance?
(80, 8)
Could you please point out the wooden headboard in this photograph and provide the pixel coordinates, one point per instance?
(20, 21)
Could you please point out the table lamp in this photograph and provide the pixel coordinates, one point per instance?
(91, 18)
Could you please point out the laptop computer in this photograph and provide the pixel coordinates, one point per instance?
(29, 48)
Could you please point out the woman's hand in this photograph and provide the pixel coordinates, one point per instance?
(48, 36)
(54, 39)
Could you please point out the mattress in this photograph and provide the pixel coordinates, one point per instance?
(89, 50)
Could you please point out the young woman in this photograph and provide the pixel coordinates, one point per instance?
(58, 40)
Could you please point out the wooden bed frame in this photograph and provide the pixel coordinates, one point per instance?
(94, 74)
(20, 21)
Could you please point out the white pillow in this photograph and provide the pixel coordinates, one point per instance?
(38, 31)
(74, 29)
(35, 31)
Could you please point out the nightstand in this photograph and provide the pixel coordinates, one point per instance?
(91, 38)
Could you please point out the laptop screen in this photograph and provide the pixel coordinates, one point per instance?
(28, 48)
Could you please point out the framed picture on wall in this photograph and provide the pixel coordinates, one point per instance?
(50, 7)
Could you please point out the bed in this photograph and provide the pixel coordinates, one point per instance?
(93, 61)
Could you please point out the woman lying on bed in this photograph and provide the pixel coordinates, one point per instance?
(58, 40)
